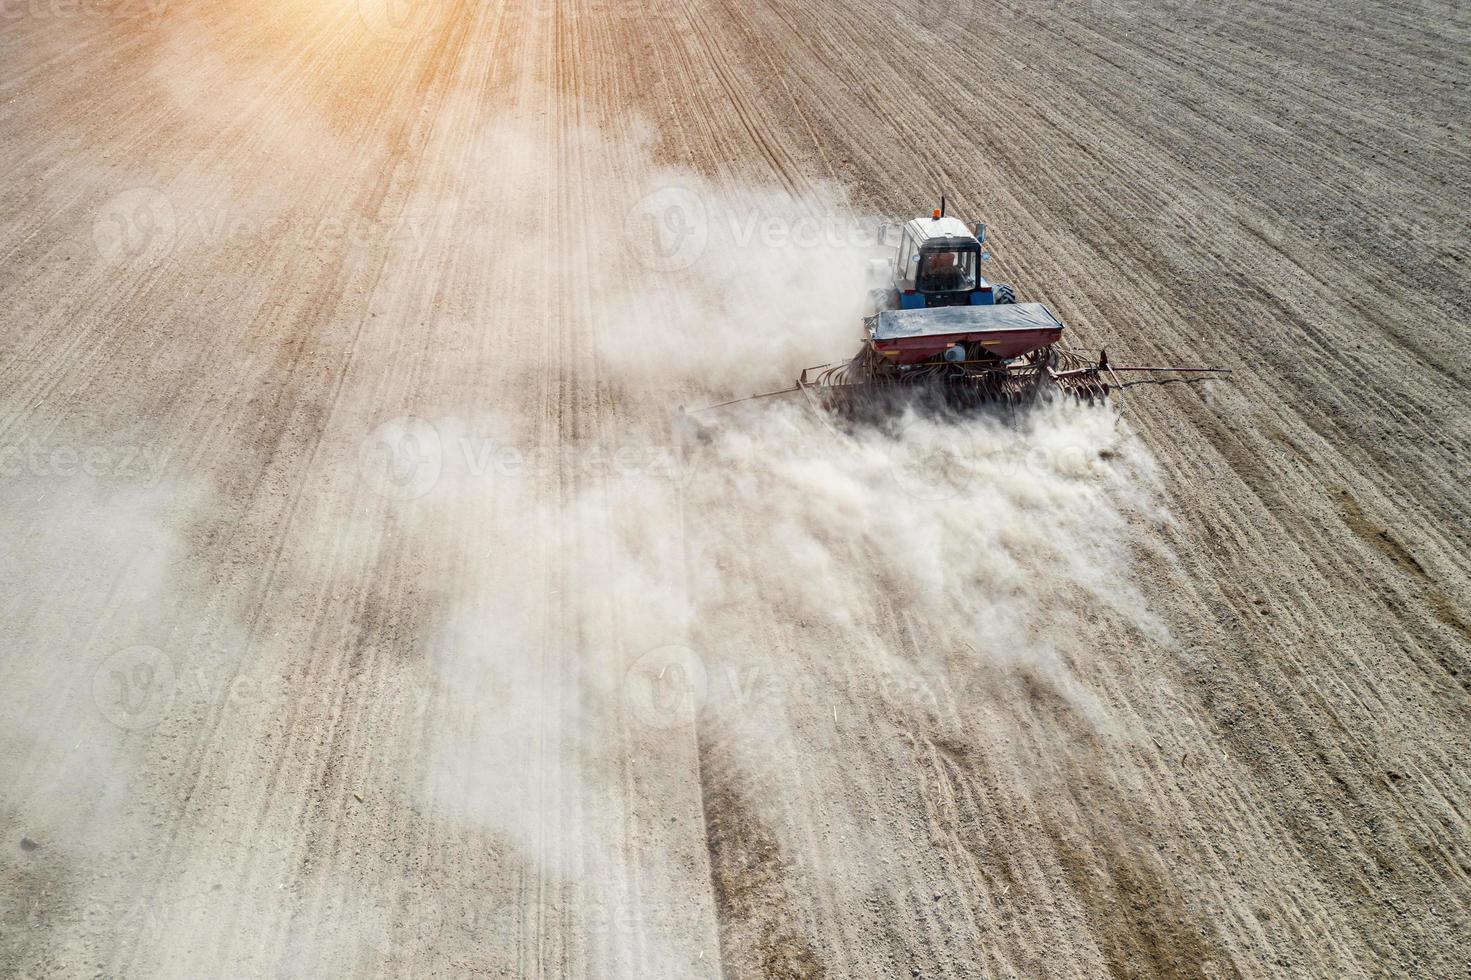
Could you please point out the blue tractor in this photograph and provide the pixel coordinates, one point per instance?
(938, 263)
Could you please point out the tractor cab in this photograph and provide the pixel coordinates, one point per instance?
(938, 264)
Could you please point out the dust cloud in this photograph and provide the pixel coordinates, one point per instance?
(91, 598)
(608, 595)
(631, 586)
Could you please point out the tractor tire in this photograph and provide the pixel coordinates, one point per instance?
(1002, 293)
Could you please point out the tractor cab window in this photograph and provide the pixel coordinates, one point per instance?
(947, 271)
(908, 261)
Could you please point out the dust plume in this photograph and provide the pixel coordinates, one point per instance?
(634, 603)
(458, 604)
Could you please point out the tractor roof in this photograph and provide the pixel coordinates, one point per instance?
(939, 232)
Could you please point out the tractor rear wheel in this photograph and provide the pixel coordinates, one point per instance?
(1002, 293)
